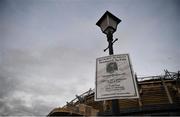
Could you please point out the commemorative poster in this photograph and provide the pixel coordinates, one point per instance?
(115, 78)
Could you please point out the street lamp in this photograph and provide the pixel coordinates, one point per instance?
(108, 24)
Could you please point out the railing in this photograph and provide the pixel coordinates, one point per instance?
(168, 76)
(80, 97)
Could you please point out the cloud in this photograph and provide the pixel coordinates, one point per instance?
(33, 82)
(22, 103)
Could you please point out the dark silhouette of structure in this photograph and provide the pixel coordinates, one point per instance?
(159, 95)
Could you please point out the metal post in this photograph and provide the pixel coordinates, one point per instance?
(166, 88)
(115, 102)
(110, 41)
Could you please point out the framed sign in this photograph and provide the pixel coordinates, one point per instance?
(115, 78)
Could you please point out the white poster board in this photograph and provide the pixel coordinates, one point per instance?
(115, 78)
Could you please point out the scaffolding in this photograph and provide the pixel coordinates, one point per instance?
(158, 94)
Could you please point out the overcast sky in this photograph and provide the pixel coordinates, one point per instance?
(48, 48)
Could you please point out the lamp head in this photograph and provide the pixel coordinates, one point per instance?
(108, 23)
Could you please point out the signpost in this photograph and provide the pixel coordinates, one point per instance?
(115, 78)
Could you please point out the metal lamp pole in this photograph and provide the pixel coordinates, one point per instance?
(115, 102)
(110, 41)
(108, 24)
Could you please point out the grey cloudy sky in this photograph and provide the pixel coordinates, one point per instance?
(48, 48)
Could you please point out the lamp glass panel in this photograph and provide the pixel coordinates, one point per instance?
(112, 23)
(104, 24)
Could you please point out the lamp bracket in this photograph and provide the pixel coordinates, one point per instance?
(112, 43)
